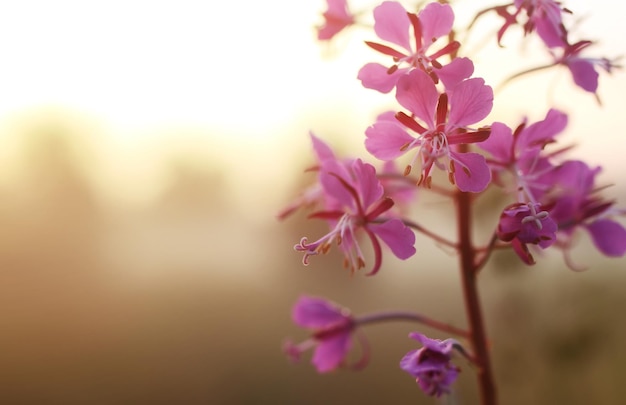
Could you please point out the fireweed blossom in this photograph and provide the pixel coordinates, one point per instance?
(336, 17)
(521, 154)
(442, 126)
(356, 203)
(578, 204)
(414, 34)
(395, 186)
(583, 69)
(545, 17)
(523, 224)
(332, 330)
(432, 365)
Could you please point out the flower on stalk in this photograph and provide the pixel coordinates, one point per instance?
(545, 17)
(523, 224)
(521, 153)
(414, 34)
(432, 365)
(336, 18)
(577, 204)
(355, 202)
(443, 125)
(583, 69)
(332, 334)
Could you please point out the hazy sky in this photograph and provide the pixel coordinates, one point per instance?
(242, 67)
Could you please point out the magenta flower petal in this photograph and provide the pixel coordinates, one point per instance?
(474, 174)
(330, 175)
(321, 149)
(584, 74)
(336, 18)
(499, 143)
(369, 186)
(436, 20)
(397, 236)
(608, 236)
(375, 76)
(542, 132)
(470, 102)
(417, 93)
(455, 72)
(330, 353)
(385, 140)
(314, 312)
(392, 24)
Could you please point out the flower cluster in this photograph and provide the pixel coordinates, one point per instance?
(440, 124)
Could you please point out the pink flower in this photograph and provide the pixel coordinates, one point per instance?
(431, 365)
(521, 153)
(441, 127)
(524, 224)
(542, 16)
(355, 202)
(336, 18)
(583, 69)
(332, 328)
(577, 204)
(313, 196)
(414, 35)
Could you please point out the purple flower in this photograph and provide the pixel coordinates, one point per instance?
(336, 18)
(332, 328)
(521, 153)
(542, 16)
(414, 35)
(577, 204)
(523, 224)
(355, 202)
(431, 365)
(583, 69)
(441, 126)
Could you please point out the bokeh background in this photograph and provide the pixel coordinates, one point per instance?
(145, 150)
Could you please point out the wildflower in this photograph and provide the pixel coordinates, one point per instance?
(355, 202)
(577, 204)
(441, 126)
(332, 329)
(545, 17)
(523, 224)
(521, 153)
(431, 365)
(583, 69)
(336, 18)
(393, 24)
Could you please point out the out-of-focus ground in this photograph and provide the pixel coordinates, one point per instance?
(183, 295)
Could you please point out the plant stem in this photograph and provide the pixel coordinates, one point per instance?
(469, 272)
(410, 317)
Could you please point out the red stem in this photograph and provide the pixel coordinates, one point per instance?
(469, 272)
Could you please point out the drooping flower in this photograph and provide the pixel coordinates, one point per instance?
(332, 330)
(432, 365)
(414, 34)
(578, 204)
(545, 17)
(442, 126)
(583, 69)
(336, 17)
(523, 224)
(356, 203)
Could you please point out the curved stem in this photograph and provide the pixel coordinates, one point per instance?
(477, 337)
(410, 317)
(430, 234)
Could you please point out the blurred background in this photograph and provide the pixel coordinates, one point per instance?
(145, 150)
